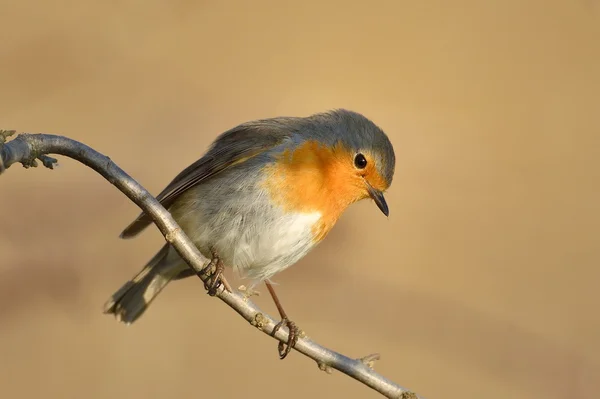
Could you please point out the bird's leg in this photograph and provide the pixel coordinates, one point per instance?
(215, 278)
(293, 330)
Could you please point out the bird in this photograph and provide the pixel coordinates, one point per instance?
(264, 194)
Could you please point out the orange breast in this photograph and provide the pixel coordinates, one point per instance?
(315, 178)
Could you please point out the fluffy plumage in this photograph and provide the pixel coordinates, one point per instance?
(263, 196)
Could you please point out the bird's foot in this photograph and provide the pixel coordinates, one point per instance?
(293, 334)
(214, 274)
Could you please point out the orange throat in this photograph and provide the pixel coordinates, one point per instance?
(315, 178)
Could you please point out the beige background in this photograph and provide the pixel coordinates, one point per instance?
(484, 281)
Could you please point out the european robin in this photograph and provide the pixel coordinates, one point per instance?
(265, 194)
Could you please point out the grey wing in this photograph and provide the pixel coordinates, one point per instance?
(232, 147)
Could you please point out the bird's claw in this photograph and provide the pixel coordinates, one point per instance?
(215, 284)
(293, 334)
(213, 281)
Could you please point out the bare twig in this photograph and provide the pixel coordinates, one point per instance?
(26, 148)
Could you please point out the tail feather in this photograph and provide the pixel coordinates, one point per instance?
(130, 301)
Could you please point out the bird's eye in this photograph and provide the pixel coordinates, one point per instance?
(360, 161)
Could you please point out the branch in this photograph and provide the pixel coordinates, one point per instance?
(26, 148)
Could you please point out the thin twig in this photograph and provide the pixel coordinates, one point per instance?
(26, 148)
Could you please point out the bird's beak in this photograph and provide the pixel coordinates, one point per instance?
(379, 199)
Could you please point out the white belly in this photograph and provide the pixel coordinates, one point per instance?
(259, 250)
(256, 239)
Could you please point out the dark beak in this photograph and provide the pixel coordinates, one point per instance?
(379, 199)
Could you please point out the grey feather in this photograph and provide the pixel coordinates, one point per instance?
(240, 143)
(130, 301)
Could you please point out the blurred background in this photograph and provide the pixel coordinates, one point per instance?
(483, 282)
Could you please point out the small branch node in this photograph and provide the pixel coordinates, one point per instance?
(370, 360)
(48, 162)
(247, 292)
(33, 153)
(5, 134)
(259, 321)
(324, 367)
(29, 163)
(408, 395)
(170, 236)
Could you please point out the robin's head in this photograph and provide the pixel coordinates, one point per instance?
(336, 158)
(364, 159)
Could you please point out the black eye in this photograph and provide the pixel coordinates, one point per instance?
(360, 161)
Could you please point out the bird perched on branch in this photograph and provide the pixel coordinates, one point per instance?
(264, 195)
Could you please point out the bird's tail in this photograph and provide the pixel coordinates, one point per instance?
(134, 297)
